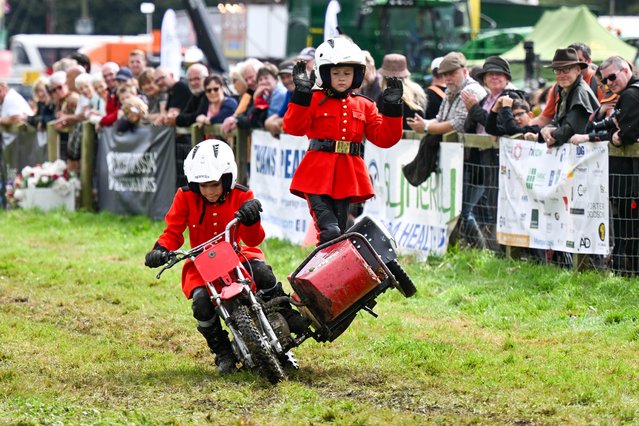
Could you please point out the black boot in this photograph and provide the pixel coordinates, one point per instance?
(296, 322)
(220, 345)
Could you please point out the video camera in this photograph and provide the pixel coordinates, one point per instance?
(607, 123)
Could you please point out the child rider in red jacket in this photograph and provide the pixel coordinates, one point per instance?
(205, 206)
(332, 173)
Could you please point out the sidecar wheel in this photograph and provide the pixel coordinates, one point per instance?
(265, 359)
(404, 283)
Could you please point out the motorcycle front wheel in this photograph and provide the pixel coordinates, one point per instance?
(404, 283)
(264, 358)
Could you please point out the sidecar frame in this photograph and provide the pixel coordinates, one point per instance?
(327, 331)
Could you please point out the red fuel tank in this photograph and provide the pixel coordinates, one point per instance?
(333, 280)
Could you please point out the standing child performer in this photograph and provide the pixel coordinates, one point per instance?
(332, 173)
(205, 206)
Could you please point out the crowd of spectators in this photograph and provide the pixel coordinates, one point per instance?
(256, 94)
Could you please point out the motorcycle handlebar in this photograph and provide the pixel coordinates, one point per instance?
(176, 256)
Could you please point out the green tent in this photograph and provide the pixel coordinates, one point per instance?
(559, 28)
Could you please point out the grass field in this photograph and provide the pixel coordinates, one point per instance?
(89, 336)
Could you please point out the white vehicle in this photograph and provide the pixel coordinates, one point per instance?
(35, 54)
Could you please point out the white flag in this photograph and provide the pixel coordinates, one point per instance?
(170, 47)
(330, 21)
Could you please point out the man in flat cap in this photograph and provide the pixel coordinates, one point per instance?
(452, 112)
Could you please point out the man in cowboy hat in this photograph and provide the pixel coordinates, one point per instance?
(576, 99)
(584, 54)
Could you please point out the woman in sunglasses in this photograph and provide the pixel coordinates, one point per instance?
(219, 106)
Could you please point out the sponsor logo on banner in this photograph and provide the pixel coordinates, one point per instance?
(530, 179)
(534, 219)
(546, 179)
(517, 151)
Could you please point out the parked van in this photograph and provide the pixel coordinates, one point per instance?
(35, 54)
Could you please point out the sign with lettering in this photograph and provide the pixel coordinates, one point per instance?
(553, 198)
(273, 162)
(420, 218)
(136, 170)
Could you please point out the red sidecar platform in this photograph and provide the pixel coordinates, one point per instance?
(333, 280)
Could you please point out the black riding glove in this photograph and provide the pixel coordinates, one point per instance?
(249, 213)
(394, 91)
(156, 257)
(303, 83)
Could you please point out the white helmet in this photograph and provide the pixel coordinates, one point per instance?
(211, 160)
(338, 51)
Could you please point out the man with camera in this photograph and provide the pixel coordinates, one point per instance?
(621, 127)
(616, 73)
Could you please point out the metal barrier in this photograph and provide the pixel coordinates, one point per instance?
(624, 214)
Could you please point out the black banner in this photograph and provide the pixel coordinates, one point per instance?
(136, 170)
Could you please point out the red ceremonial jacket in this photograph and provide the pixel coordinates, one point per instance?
(204, 221)
(349, 119)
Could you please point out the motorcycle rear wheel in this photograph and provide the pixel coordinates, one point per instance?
(265, 360)
(405, 284)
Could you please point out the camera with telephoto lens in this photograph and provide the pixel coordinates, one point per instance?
(607, 123)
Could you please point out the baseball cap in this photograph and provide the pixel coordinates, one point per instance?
(452, 62)
(124, 73)
(307, 54)
(434, 65)
(286, 67)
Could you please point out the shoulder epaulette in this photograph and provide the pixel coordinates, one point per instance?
(363, 96)
(241, 187)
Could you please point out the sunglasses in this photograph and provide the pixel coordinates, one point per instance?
(57, 88)
(611, 77)
(212, 89)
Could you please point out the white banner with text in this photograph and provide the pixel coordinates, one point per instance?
(553, 198)
(420, 218)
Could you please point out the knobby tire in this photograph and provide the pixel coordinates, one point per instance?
(264, 358)
(405, 284)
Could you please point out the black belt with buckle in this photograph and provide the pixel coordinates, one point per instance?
(340, 147)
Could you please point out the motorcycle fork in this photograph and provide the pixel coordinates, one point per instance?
(264, 323)
(238, 344)
(256, 307)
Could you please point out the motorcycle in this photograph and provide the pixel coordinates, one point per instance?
(336, 281)
(255, 326)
